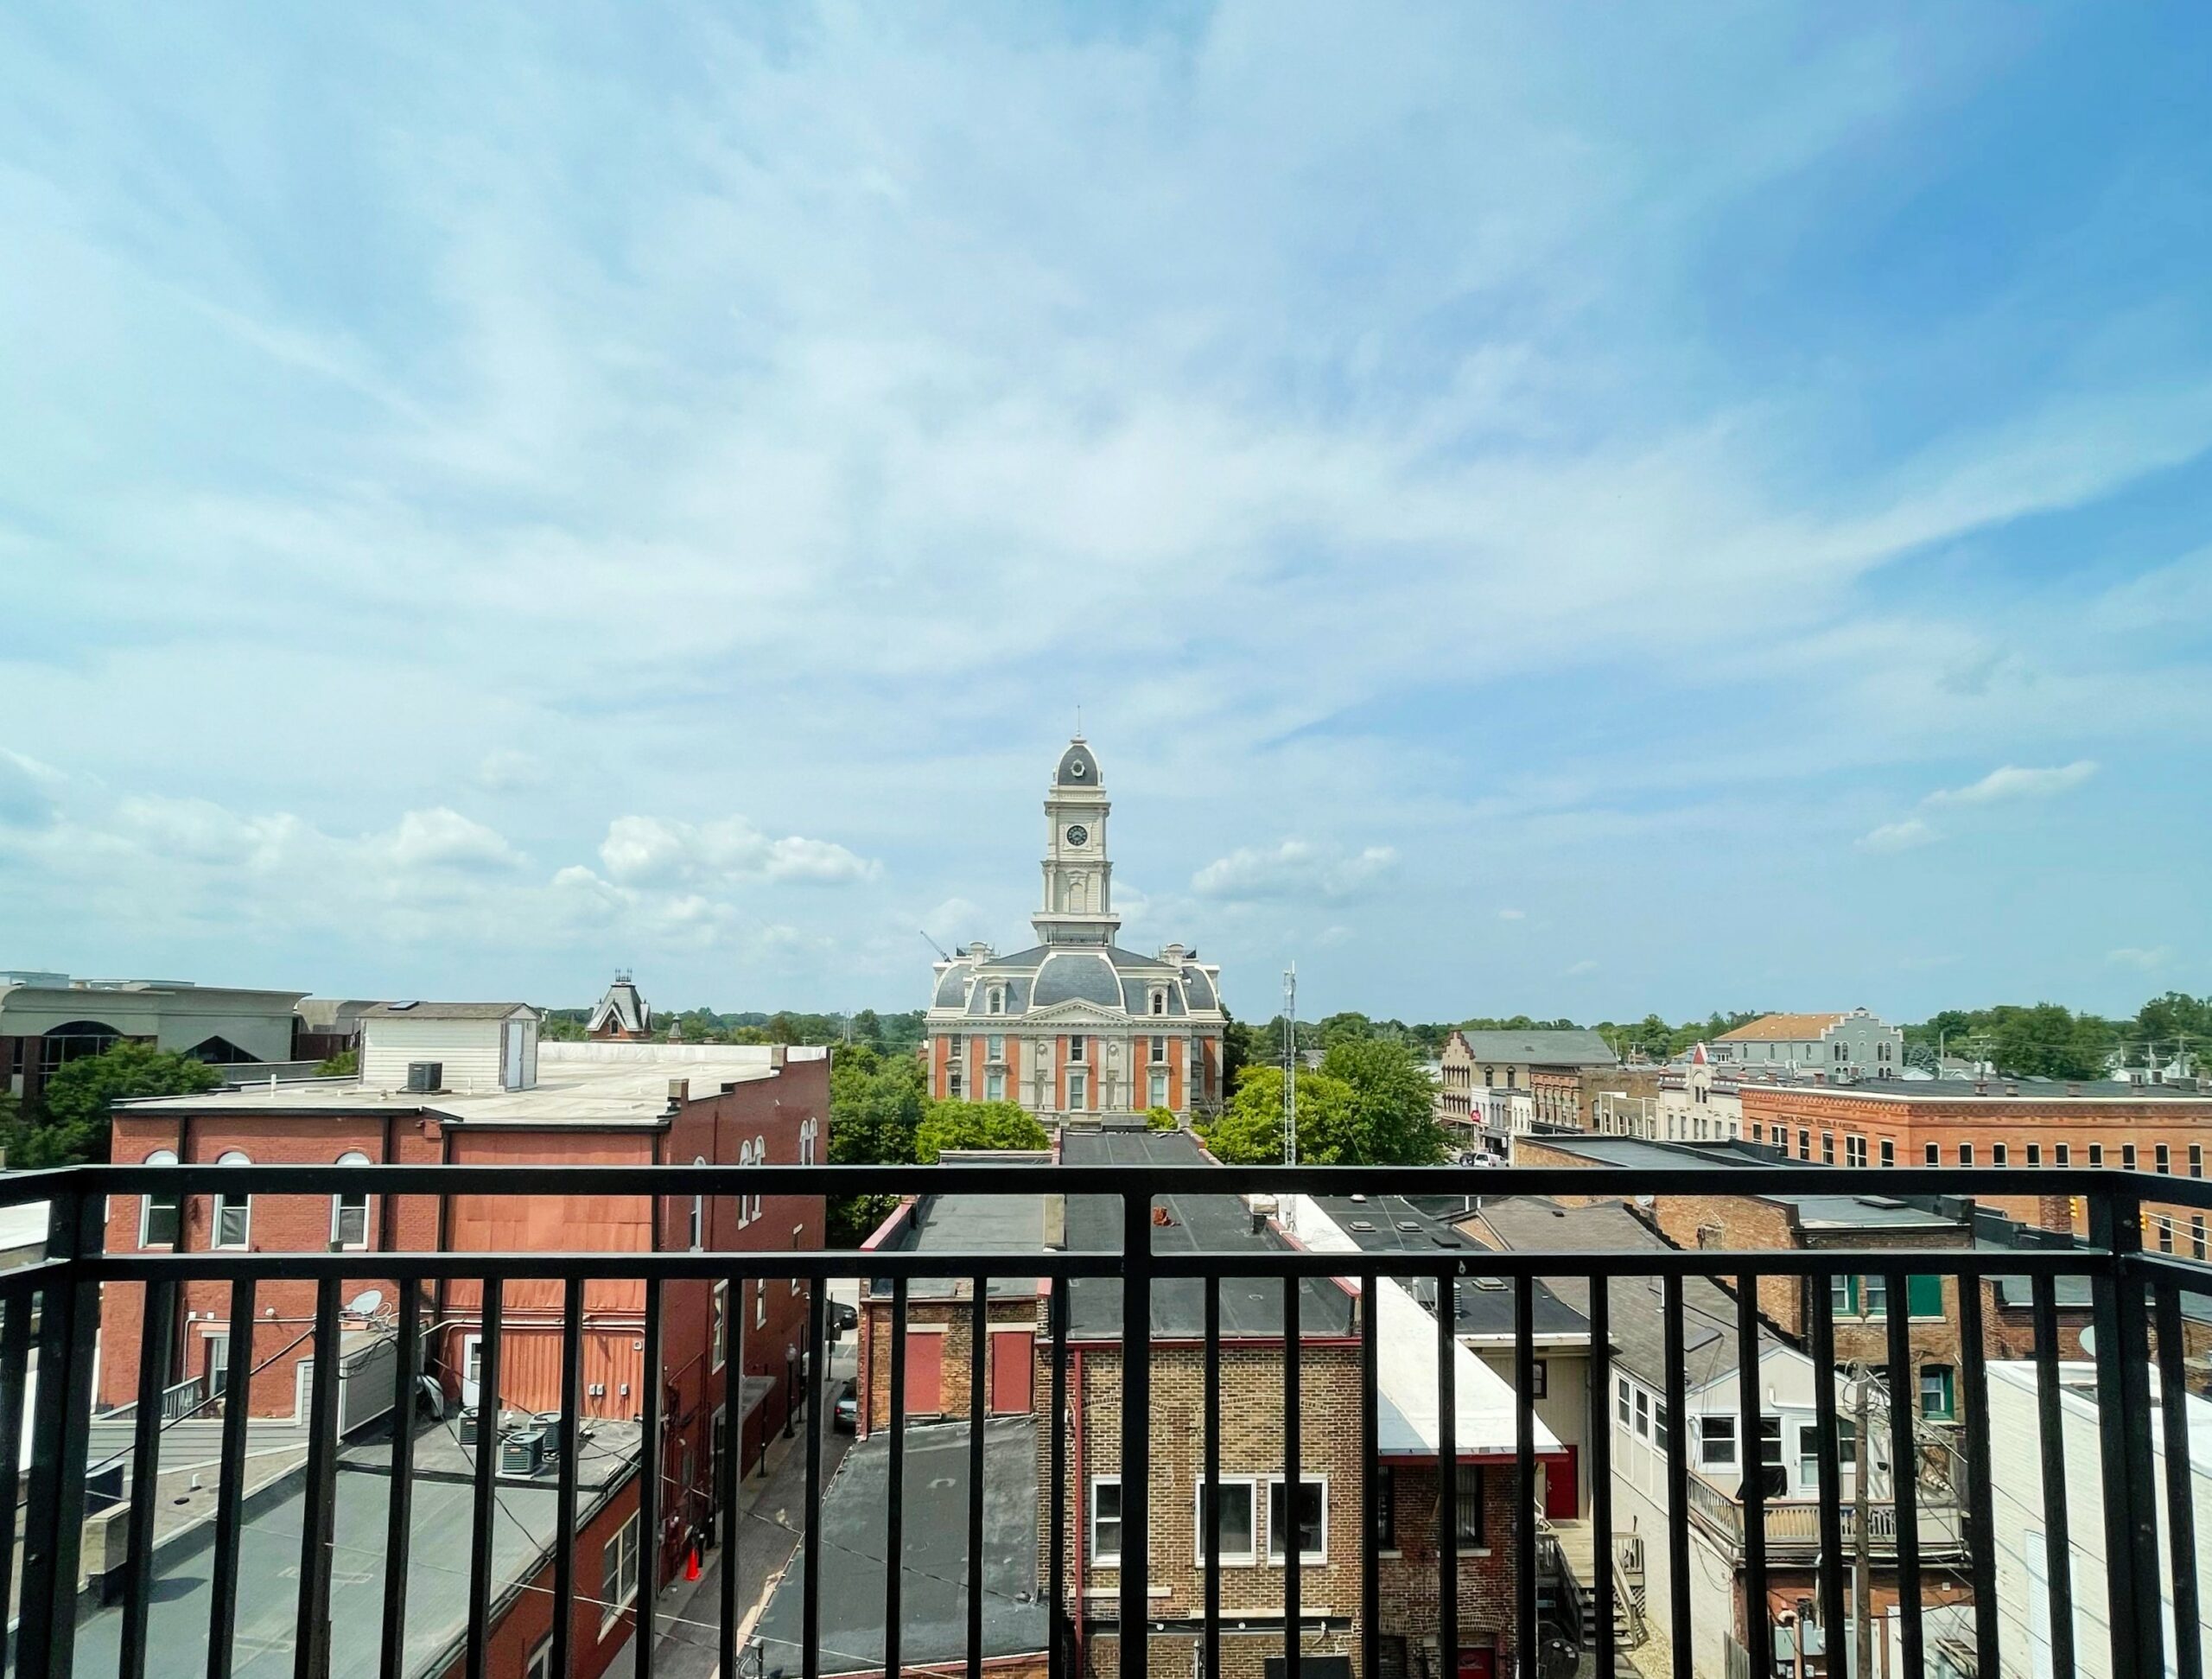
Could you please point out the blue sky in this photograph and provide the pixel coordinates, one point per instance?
(1582, 510)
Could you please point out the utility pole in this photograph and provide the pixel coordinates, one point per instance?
(1862, 1605)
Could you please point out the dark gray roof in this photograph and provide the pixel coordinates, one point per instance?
(1392, 1223)
(933, 1592)
(1076, 977)
(622, 1005)
(1078, 767)
(2029, 1089)
(974, 1223)
(1636, 1324)
(1199, 985)
(1137, 999)
(445, 1011)
(952, 987)
(1251, 1307)
(1814, 1211)
(1574, 1048)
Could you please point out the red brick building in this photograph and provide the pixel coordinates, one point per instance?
(594, 1103)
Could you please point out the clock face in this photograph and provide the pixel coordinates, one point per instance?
(1078, 835)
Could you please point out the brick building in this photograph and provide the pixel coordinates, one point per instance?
(591, 1103)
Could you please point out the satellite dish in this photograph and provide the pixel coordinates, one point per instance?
(2089, 1341)
(367, 1303)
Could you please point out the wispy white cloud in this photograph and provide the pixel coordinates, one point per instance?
(1578, 969)
(1906, 835)
(2148, 960)
(648, 851)
(2012, 782)
(1294, 868)
(1513, 915)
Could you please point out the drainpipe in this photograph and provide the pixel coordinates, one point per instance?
(1082, 1508)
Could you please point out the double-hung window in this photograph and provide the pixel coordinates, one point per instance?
(1468, 1519)
(1313, 1521)
(1231, 1523)
(1106, 1522)
(1935, 1395)
(158, 1218)
(618, 1574)
(349, 1209)
(1716, 1440)
(1160, 1051)
(718, 1331)
(233, 1214)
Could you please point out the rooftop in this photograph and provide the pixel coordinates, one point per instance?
(1993, 1089)
(1577, 1047)
(1016, 1223)
(437, 1569)
(1391, 1223)
(1782, 1028)
(589, 1083)
(1251, 1307)
(933, 1560)
(1814, 1211)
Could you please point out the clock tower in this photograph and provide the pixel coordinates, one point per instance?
(1079, 880)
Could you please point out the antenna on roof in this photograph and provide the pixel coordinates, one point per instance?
(932, 944)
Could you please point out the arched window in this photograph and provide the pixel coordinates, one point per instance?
(760, 1157)
(744, 1200)
(157, 1217)
(998, 999)
(349, 1209)
(233, 1214)
(699, 1213)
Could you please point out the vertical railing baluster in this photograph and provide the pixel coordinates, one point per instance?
(14, 1366)
(1758, 1616)
(1904, 1466)
(2050, 1423)
(1057, 1558)
(1370, 1580)
(1136, 1431)
(653, 1468)
(562, 1654)
(318, 1526)
(1525, 1468)
(1211, 1527)
(68, 1337)
(733, 1474)
(810, 1596)
(979, 1367)
(156, 1339)
(1819, 1291)
(1447, 1479)
(2123, 1356)
(1981, 1563)
(1601, 1433)
(2181, 1490)
(894, 1537)
(230, 1482)
(399, 1508)
(486, 1471)
(1293, 1421)
(1678, 1485)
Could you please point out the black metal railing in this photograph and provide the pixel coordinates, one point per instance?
(2136, 1296)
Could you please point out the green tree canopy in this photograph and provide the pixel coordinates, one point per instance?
(81, 1097)
(1159, 1119)
(1369, 1104)
(977, 1125)
(1249, 1129)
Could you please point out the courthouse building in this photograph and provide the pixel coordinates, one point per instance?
(1076, 1026)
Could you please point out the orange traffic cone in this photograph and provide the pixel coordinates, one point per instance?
(691, 1564)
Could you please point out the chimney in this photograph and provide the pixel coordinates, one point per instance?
(679, 1093)
(1981, 1087)
(2011, 1087)
(778, 1054)
(2073, 1089)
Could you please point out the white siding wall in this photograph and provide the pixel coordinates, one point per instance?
(468, 1049)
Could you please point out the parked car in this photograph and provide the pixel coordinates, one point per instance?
(844, 1316)
(845, 1410)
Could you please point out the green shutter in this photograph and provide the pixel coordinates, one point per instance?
(1924, 1296)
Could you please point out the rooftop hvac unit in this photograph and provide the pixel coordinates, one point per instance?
(548, 1423)
(468, 1425)
(522, 1453)
(426, 1076)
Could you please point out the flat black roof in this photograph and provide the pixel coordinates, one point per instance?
(933, 1562)
(1010, 1225)
(1251, 1307)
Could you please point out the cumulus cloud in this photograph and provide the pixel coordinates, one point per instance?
(2014, 782)
(442, 839)
(648, 851)
(510, 772)
(2130, 955)
(26, 790)
(1513, 915)
(1294, 868)
(1904, 835)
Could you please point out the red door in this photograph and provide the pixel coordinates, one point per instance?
(1478, 1663)
(1011, 1362)
(1562, 1476)
(924, 1375)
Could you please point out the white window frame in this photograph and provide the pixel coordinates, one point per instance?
(1716, 1442)
(1100, 1556)
(337, 1209)
(718, 1326)
(540, 1665)
(760, 1157)
(1643, 1415)
(744, 1200)
(1079, 1090)
(1305, 1559)
(994, 1086)
(798, 1241)
(1157, 1091)
(161, 1157)
(624, 1545)
(232, 1157)
(698, 1212)
(1251, 1556)
(761, 1304)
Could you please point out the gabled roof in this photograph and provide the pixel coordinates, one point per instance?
(624, 1008)
(1780, 1028)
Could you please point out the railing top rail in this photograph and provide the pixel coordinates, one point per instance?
(969, 1178)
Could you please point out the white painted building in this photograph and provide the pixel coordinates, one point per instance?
(1852, 1044)
(2015, 1487)
(475, 1047)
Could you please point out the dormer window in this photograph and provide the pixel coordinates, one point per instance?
(998, 999)
(1160, 1000)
